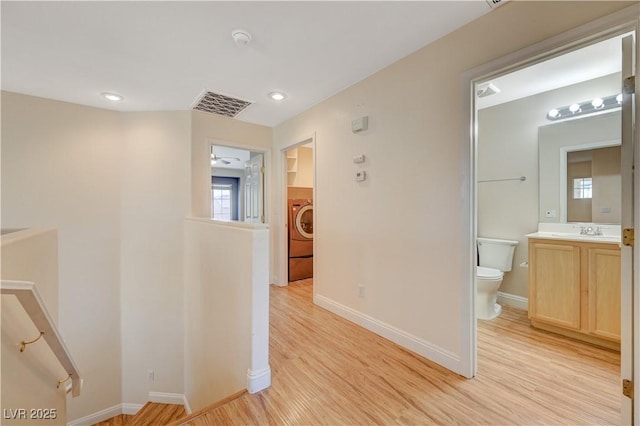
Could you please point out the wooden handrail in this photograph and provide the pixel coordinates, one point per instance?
(28, 296)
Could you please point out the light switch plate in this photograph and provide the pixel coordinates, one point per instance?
(360, 124)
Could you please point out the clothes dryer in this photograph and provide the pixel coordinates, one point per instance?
(300, 239)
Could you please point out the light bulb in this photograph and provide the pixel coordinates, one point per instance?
(554, 113)
(574, 108)
(277, 96)
(114, 97)
(597, 103)
(619, 98)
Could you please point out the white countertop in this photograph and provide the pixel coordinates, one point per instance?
(571, 232)
(609, 239)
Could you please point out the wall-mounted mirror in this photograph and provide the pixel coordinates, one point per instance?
(579, 170)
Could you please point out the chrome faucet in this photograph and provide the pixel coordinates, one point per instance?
(590, 230)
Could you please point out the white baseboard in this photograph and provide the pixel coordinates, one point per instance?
(131, 409)
(513, 300)
(413, 343)
(170, 398)
(258, 380)
(105, 414)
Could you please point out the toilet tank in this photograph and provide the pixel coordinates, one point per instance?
(496, 254)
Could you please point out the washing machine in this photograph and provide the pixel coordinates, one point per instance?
(300, 239)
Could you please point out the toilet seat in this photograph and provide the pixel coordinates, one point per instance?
(488, 273)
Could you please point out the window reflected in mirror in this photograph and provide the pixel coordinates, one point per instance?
(593, 185)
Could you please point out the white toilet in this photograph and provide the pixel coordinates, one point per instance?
(495, 258)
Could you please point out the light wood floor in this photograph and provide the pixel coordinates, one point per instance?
(326, 370)
(152, 413)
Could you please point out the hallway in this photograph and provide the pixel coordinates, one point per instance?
(327, 370)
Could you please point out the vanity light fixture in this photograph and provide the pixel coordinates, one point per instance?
(586, 107)
(554, 113)
(277, 96)
(113, 97)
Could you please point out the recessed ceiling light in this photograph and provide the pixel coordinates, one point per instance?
(277, 96)
(114, 97)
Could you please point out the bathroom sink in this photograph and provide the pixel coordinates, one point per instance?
(585, 236)
(575, 236)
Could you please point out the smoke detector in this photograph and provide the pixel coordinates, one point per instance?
(486, 89)
(241, 37)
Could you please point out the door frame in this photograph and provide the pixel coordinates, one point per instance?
(283, 264)
(621, 22)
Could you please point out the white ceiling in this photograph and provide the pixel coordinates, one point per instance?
(163, 55)
(580, 65)
(230, 155)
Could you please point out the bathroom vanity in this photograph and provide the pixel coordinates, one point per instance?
(574, 286)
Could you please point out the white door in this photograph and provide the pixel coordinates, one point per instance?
(630, 209)
(254, 189)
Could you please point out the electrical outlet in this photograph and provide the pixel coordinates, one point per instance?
(152, 375)
(361, 290)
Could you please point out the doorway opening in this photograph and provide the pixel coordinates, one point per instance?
(237, 184)
(300, 213)
(517, 146)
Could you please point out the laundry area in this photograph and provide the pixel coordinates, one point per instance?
(300, 212)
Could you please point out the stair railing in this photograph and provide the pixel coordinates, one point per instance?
(28, 296)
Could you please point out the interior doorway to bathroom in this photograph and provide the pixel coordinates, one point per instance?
(509, 168)
(299, 162)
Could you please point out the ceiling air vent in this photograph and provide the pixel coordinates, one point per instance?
(221, 104)
(495, 3)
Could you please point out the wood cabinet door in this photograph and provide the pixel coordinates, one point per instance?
(604, 277)
(554, 284)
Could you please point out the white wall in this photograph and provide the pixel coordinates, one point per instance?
(29, 378)
(155, 200)
(303, 176)
(117, 186)
(398, 232)
(226, 309)
(61, 168)
(32, 255)
(508, 148)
